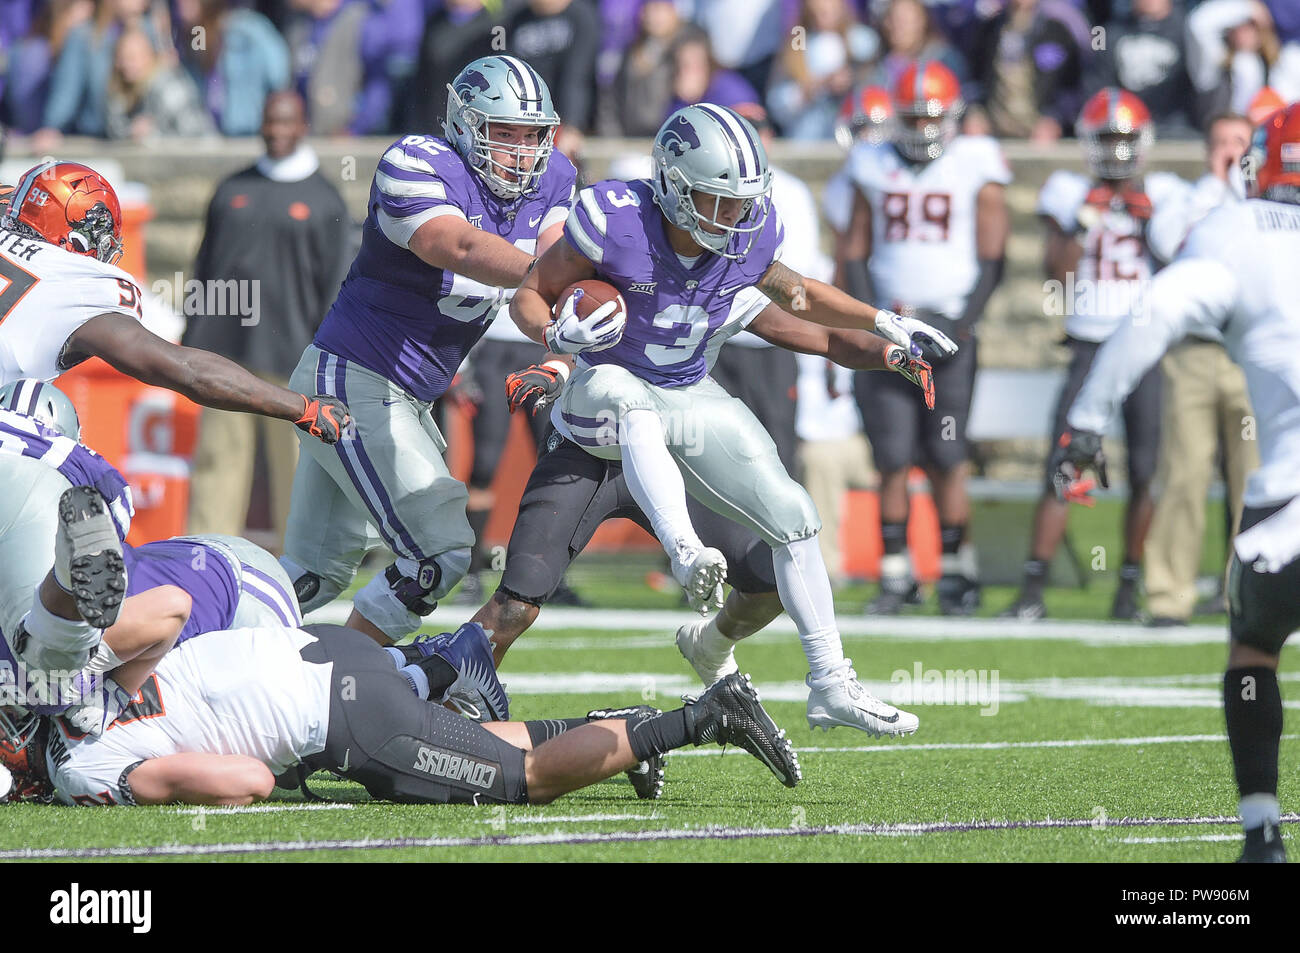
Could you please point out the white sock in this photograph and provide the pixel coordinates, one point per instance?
(44, 625)
(396, 655)
(656, 482)
(418, 680)
(713, 642)
(103, 660)
(1257, 810)
(805, 590)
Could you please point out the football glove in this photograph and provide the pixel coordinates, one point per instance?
(570, 334)
(911, 335)
(1076, 452)
(324, 417)
(535, 387)
(914, 369)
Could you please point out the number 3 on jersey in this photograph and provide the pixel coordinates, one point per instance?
(691, 322)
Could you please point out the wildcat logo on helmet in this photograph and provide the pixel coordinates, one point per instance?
(471, 80)
(679, 137)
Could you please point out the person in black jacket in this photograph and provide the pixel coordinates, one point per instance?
(274, 249)
(1146, 53)
(1028, 74)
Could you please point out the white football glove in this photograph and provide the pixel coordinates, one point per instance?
(570, 334)
(900, 331)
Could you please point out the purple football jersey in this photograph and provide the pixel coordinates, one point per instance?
(25, 436)
(199, 569)
(403, 318)
(674, 312)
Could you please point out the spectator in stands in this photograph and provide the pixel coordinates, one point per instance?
(636, 101)
(910, 34)
(1206, 404)
(1145, 54)
(745, 36)
(1232, 51)
(150, 96)
(324, 39)
(620, 27)
(236, 57)
(1028, 66)
(814, 75)
(1286, 19)
(79, 82)
(697, 77)
(389, 51)
(560, 39)
(463, 30)
(32, 45)
(280, 229)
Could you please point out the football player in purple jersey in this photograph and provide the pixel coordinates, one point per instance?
(454, 224)
(695, 251)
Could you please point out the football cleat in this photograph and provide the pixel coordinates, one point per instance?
(709, 667)
(1263, 846)
(702, 578)
(1026, 609)
(88, 556)
(477, 692)
(895, 593)
(1125, 607)
(730, 713)
(647, 778)
(839, 700)
(958, 595)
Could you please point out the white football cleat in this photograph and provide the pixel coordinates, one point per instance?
(702, 578)
(711, 667)
(839, 700)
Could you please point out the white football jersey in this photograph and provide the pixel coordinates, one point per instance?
(1116, 263)
(46, 293)
(1235, 274)
(923, 251)
(242, 691)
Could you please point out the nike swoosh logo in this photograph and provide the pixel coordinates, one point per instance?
(726, 291)
(532, 222)
(389, 403)
(347, 760)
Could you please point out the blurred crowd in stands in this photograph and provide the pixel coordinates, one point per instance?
(140, 69)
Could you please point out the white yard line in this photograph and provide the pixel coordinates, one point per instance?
(265, 808)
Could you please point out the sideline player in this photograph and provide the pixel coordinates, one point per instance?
(696, 256)
(64, 301)
(928, 236)
(227, 712)
(453, 223)
(1234, 275)
(1097, 254)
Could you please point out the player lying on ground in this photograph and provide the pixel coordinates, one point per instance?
(227, 712)
(66, 301)
(64, 514)
(1233, 275)
(696, 257)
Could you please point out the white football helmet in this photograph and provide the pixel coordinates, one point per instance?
(507, 90)
(45, 402)
(714, 151)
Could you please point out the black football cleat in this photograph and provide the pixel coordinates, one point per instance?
(729, 713)
(88, 556)
(647, 778)
(1125, 607)
(1263, 846)
(1027, 608)
(894, 595)
(958, 595)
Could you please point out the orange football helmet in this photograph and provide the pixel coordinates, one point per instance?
(866, 114)
(1271, 167)
(1266, 102)
(927, 100)
(69, 205)
(1116, 130)
(28, 776)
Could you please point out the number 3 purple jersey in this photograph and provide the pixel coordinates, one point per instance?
(403, 318)
(674, 313)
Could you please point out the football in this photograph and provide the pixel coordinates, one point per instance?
(593, 294)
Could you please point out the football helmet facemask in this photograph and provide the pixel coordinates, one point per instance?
(702, 155)
(69, 205)
(1116, 131)
(928, 103)
(501, 89)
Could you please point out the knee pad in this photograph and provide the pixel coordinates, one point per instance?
(312, 591)
(794, 516)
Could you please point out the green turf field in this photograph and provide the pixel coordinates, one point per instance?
(1094, 743)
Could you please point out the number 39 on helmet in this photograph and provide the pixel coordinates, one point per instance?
(69, 205)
